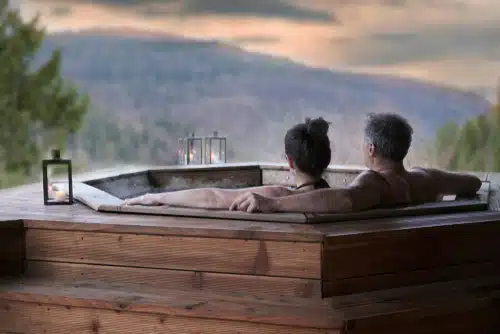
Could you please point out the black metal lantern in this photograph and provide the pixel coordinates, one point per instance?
(59, 171)
(215, 149)
(191, 150)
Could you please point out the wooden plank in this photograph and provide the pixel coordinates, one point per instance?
(388, 300)
(176, 226)
(259, 286)
(480, 316)
(251, 257)
(132, 298)
(12, 248)
(363, 229)
(22, 318)
(405, 251)
(408, 278)
(432, 308)
(414, 210)
(292, 218)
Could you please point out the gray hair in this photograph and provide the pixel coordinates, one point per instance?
(391, 135)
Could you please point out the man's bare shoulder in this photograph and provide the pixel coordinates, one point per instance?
(368, 178)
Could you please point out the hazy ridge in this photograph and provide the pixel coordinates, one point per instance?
(249, 97)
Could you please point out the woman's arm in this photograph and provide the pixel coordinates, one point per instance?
(205, 198)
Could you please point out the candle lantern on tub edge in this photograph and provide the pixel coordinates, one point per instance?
(215, 149)
(191, 150)
(62, 193)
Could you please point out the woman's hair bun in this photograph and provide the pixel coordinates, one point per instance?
(317, 127)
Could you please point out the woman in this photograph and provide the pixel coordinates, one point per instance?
(308, 153)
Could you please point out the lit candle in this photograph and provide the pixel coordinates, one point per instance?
(60, 196)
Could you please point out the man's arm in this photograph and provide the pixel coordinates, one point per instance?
(448, 183)
(363, 193)
(205, 198)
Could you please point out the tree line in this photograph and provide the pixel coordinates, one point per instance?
(473, 146)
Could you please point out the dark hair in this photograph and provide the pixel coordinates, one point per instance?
(308, 145)
(391, 135)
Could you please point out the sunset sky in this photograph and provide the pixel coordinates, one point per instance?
(448, 41)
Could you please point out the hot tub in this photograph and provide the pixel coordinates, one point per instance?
(107, 193)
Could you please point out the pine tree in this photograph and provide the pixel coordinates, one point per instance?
(38, 108)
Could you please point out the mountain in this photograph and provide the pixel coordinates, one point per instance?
(250, 98)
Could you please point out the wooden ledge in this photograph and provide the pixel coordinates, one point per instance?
(102, 201)
(293, 312)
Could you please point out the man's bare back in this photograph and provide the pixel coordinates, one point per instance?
(407, 187)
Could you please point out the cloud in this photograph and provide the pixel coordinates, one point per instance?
(245, 40)
(281, 9)
(260, 8)
(449, 42)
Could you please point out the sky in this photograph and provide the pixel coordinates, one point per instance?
(452, 42)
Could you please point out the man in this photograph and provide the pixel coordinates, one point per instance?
(385, 184)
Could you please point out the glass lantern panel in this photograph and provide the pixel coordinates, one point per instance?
(207, 150)
(182, 152)
(195, 152)
(57, 173)
(215, 153)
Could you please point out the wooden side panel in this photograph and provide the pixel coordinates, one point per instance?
(220, 178)
(12, 248)
(251, 257)
(406, 256)
(409, 278)
(259, 286)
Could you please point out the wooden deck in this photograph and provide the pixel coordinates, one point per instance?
(76, 270)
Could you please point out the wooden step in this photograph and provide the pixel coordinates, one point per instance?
(464, 306)
(390, 253)
(37, 306)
